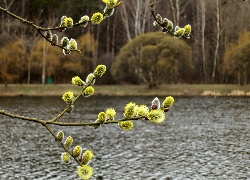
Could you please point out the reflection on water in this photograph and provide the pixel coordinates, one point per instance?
(203, 138)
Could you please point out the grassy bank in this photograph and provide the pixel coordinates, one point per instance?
(122, 90)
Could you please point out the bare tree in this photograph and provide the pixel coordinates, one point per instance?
(203, 25)
(217, 39)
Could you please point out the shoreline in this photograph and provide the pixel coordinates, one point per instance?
(128, 90)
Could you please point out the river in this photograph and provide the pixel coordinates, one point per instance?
(201, 138)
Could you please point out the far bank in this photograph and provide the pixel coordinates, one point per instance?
(128, 90)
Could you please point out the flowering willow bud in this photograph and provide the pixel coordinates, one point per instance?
(88, 91)
(60, 136)
(110, 3)
(110, 112)
(130, 110)
(68, 97)
(100, 70)
(54, 40)
(65, 41)
(69, 22)
(179, 32)
(97, 18)
(126, 125)
(156, 116)
(63, 21)
(77, 151)
(77, 81)
(68, 142)
(84, 20)
(65, 157)
(102, 117)
(187, 31)
(90, 80)
(87, 156)
(85, 172)
(168, 102)
(155, 104)
(72, 44)
(143, 110)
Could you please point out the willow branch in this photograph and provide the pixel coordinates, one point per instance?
(63, 146)
(45, 122)
(160, 23)
(14, 116)
(67, 108)
(40, 29)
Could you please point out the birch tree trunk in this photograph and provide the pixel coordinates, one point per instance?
(217, 39)
(203, 25)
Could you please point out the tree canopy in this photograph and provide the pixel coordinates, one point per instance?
(236, 59)
(153, 58)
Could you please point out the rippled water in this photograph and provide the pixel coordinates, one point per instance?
(203, 138)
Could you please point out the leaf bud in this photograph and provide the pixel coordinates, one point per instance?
(60, 136)
(66, 50)
(107, 12)
(54, 40)
(170, 26)
(155, 104)
(48, 35)
(84, 21)
(65, 41)
(159, 18)
(96, 126)
(90, 80)
(70, 108)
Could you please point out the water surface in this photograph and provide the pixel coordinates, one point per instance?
(202, 138)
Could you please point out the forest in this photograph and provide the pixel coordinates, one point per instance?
(132, 49)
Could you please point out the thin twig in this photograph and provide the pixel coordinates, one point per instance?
(160, 23)
(43, 122)
(64, 147)
(40, 29)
